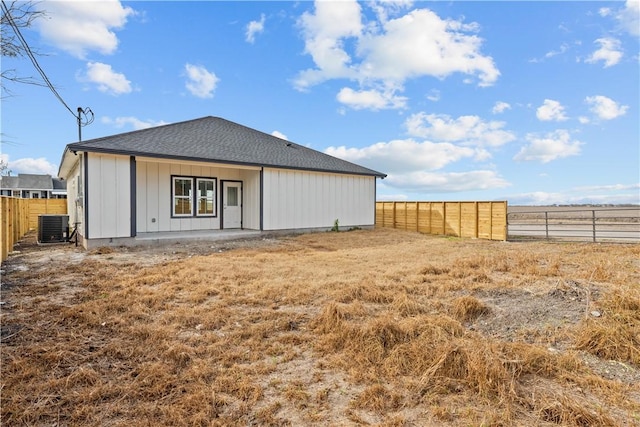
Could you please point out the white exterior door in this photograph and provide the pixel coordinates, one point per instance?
(231, 204)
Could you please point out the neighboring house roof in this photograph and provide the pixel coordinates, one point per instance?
(26, 181)
(218, 140)
(59, 184)
(9, 182)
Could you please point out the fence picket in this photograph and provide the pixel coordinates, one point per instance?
(480, 220)
(18, 216)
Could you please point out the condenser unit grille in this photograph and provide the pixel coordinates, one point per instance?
(53, 228)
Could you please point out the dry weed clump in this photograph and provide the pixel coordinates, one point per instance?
(615, 333)
(325, 329)
(468, 308)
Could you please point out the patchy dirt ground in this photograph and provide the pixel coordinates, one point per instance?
(86, 315)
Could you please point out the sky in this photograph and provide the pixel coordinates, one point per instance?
(531, 102)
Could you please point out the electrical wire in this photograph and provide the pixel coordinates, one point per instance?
(32, 57)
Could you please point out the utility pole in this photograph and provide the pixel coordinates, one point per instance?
(87, 120)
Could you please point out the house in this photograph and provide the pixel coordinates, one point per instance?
(32, 186)
(208, 174)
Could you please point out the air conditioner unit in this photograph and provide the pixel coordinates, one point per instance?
(53, 228)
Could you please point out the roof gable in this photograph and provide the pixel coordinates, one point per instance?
(222, 141)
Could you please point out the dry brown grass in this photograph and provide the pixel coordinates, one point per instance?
(377, 327)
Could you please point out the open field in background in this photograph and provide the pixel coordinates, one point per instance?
(578, 223)
(383, 327)
(580, 212)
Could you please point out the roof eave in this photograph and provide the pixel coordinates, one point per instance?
(66, 162)
(75, 147)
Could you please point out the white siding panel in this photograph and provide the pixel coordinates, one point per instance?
(109, 196)
(299, 199)
(250, 199)
(141, 198)
(74, 207)
(123, 209)
(267, 196)
(154, 195)
(151, 196)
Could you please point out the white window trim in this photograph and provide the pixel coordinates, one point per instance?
(214, 181)
(174, 197)
(194, 197)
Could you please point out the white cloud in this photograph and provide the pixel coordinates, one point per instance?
(79, 27)
(200, 82)
(447, 182)
(551, 110)
(604, 11)
(552, 146)
(39, 166)
(135, 123)
(610, 52)
(421, 43)
(563, 48)
(602, 194)
(371, 99)
(253, 28)
(386, 8)
(387, 52)
(629, 17)
(403, 155)
(108, 81)
(500, 107)
(324, 32)
(466, 130)
(280, 135)
(609, 187)
(605, 108)
(410, 165)
(391, 197)
(434, 95)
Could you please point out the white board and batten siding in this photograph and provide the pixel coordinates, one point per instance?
(250, 199)
(74, 197)
(108, 190)
(154, 203)
(304, 199)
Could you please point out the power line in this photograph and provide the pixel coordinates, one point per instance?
(32, 57)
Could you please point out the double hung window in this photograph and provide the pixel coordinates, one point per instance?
(193, 196)
(206, 192)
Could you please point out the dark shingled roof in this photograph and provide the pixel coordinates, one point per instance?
(218, 140)
(26, 181)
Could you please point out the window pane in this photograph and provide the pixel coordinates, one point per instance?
(182, 206)
(182, 187)
(205, 188)
(232, 196)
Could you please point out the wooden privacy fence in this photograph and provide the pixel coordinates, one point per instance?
(481, 220)
(18, 216)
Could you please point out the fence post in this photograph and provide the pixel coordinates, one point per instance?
(546, 224)
(394, 215)
(444, 218)
(593, 223)
(4, 232)
(490, 220)
(476, 219)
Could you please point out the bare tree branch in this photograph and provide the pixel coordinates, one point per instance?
(20, 15)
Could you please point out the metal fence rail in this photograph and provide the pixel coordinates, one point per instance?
(588, 224)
